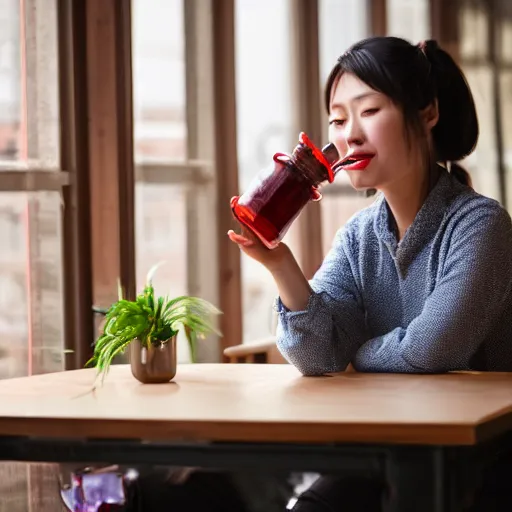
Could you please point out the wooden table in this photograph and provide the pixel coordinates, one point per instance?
(415, 428)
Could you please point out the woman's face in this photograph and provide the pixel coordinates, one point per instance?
(367, 124)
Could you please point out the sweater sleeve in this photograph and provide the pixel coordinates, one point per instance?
(463, 308)
(325, 336)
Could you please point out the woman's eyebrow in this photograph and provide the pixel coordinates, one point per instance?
(357, 98)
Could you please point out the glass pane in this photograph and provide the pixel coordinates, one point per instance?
(10, 79)
(333, 14)
(30, 284)
(337, 208)
(158, 79)
(29, 104)
(161, 235)
(160, 134)
(264, 128)
(505, 31)
(506, 116)
(30, 252)
(409, 19)
(473, 29)
(482, 163)
(31, 336)
(161, 227)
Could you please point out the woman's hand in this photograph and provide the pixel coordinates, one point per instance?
(250, 244)
(292, 286)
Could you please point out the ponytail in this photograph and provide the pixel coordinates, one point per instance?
(460, 174)
(456, 132)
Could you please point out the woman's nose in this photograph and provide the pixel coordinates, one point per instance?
(354, 133)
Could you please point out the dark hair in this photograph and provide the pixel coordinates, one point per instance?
(414, 77)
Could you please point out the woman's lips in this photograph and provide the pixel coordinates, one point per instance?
(358, 165)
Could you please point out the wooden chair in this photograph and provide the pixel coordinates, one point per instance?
(260, 351)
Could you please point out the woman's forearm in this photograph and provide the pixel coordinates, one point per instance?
(294, 289)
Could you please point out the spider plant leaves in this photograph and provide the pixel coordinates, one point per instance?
(195, 315)
(192, 342)
(151, 320)
(113, 348)
(120, 290)
(151, 272)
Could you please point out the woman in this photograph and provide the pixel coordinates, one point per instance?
(420, 281)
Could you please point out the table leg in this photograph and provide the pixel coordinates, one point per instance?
(419, 480)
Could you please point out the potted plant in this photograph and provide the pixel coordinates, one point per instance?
(150, 325)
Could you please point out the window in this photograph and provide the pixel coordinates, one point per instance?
(30, 211)
(477, 66)
(409, 19)
(158, 80)
(159, 138)
(168, 184)
(30, 296)
(263, 96)
(31, 327)
(333, 14)
(161, 235)
(506, 101)
(474, 30)
(482, 163)
(339, 200)
(10, 80)
(504, 30)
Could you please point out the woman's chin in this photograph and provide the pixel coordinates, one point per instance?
(361, 182)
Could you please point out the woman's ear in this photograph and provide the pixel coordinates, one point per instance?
(430, 115)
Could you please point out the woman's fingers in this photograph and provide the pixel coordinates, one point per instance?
(315, 194)
(239, 239)
(247, 233)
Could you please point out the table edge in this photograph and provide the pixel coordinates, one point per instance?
(246, 431)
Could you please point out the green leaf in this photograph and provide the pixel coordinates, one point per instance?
(120, 290)
(151, 273)
(192, 343)
(159, 305)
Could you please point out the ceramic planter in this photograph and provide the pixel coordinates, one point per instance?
(154, 364)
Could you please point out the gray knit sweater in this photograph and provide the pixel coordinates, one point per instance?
(439, 300)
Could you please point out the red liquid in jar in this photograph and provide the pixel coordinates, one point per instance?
(273, 203)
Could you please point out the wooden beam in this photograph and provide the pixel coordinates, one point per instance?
(76, 243)
(104, 164)
(226, 165)
(444, 25)
(198, 174)
(378, 19)
(110, 148)
(33, 180)
(125, 149)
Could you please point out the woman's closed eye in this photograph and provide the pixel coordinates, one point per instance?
(370, 111)
(366, 113)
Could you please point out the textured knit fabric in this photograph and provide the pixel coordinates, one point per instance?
(439, 300)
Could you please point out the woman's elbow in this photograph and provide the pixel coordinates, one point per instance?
(302, 361)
